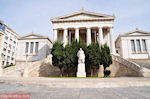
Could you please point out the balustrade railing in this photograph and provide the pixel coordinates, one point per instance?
(127, 63)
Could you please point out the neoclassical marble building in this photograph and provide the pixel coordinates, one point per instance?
(32, 47)
(134, 44)
(88, 26)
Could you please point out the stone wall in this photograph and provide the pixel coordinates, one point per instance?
(118, 69)
(44, 69)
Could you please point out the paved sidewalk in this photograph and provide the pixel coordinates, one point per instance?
(79, 82)
(43, 92)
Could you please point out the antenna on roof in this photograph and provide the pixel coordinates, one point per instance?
(52, 17)
(32, 32)
(82, 9)
(137, 28)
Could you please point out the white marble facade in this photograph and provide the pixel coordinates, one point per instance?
(88, 26)
(134, 45)
(35, 46)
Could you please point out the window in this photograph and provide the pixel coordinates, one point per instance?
(7, 63)
(8, 57)
(138, 45)
(3, 62)
(4, 49)
(8, 51)
(12, 53)
(27, 47)
(133, 45)
(14, 47)
(6, 38)
(36, 47)
(144, 45)
(117, 51)
(31, 47)
(5, 43)
(9, 46)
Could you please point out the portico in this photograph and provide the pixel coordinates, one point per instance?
(87, 26)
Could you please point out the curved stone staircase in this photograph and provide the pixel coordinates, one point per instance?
(21, 70)
(36, 66)
(142, 71)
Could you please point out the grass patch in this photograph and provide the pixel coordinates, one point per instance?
(81, 77)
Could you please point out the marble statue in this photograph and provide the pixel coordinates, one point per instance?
(81, 65)
(81, 56)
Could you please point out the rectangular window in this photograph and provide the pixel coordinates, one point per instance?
(138, 45)
(8, 51)
(133, 45)
(31, 47)
(144, 45)
(27, 47)
(36, 47)
(8, 57)
(7, 63)
(6, 37)
(3, 62)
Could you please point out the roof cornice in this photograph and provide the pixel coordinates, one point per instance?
(103, 17)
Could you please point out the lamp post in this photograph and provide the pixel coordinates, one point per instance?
(26, 60)
(25, 74)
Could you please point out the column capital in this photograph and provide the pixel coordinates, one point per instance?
(76, 27)
(88, 27)
(111, 27)
(100, 27)
(65, 28)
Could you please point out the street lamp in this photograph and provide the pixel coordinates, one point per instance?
(26, 60)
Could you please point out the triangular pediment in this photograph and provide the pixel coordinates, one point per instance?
(83, 15)
(32, 36)
(136, 32)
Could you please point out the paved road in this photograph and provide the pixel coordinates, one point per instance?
(43, 92)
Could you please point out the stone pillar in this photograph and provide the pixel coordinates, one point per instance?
(101, 71)
(141, 45)
(112, 43)
(65, 37)
(100, 35)
(69, 38)
(77, 34)
(135, 45)
(148, 47)
(88, 36)
(54, 35)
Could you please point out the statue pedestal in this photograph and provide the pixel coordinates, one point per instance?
(81, 70)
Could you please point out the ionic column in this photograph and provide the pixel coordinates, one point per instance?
(54, 35)
(112, 43)
(65, 36)
(148, 47)
(77, 34)
(69, 38)
(141, 45)
(88, 36)
(100, 35)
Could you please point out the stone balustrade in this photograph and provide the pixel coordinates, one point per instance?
(30, 67)
(13, 68)
(128, 63)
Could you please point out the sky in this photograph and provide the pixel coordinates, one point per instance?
(25, 16)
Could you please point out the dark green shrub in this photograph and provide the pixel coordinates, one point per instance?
(107, 73)
(8, 66)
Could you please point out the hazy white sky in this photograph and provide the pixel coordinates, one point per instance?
(25, 16)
